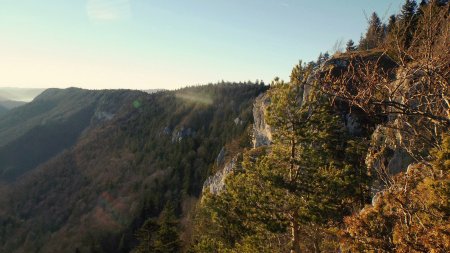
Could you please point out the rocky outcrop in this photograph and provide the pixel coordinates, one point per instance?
(352, 124)
(385, 154)
(166, 131)
(340, 62)
(103, 116)
(216, 183)
(262, 133)
(179, 135)
(237, 121)
(262, 136)
(221, 157)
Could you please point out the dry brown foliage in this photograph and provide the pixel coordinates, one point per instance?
(414, 96)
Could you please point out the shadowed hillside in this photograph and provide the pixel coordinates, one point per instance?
(52, 122)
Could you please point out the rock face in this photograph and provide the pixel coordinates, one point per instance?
(178, 136)
(340, 62)
(103, 116)
(237, 121)
(216, 182)
(221, 157)
(385, 153)
(352, 124)
(262, 136)
(262, 133)
(167, 130)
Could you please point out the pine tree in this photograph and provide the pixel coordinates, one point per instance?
(308, 177)
(305, 166)
(407, 22)
(323, 57)
(408, 10)
(423, 4)
(146, 236)
(160, 236)
(391, 24)
(319, 59)
(301, 72)
(293, 165)
(374, 34)
(167, 238)
(350, 46)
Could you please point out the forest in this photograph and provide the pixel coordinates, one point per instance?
(351, 154)
(134, 155)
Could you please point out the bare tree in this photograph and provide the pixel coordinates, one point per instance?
(417, 90)
(405, 87)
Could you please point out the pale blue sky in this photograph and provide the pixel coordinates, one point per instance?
(143, 44)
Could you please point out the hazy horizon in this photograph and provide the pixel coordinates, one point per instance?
(136, 44)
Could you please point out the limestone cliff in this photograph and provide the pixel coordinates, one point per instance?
(261, 136)
(262, 133)
(380, 154)
(216, 182)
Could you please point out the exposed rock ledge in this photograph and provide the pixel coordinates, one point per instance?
(216, 182)
(262, 136)
(262, 133)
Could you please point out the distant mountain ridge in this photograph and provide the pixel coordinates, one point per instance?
(19, 94)
(14, 97)
(10, 104)
(53, 121)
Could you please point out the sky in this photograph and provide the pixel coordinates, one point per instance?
(167, 44)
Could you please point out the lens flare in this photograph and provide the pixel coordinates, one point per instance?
(196, 98)
(137, 104)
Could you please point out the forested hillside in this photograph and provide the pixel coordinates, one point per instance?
(53, 121)
(155, 151)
